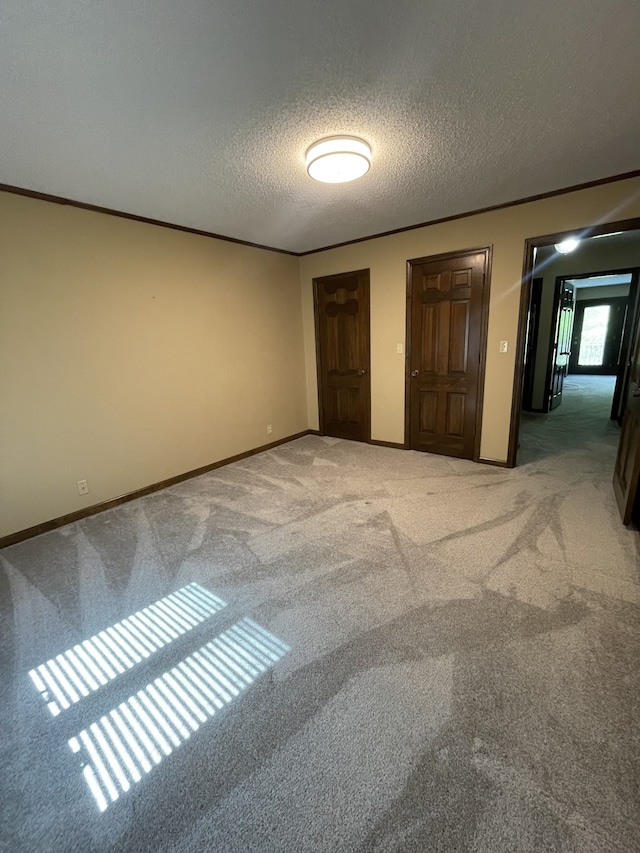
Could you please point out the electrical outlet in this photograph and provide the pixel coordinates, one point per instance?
(504, 346)
(269, 429)
(83, 487)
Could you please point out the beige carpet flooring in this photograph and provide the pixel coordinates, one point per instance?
(333, 646)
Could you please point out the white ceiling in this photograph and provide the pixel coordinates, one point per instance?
(199, 112)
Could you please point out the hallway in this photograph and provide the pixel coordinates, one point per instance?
(582, 419)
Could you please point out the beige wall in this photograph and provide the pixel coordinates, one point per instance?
(131, 353)
(620, 251)
(386, 257)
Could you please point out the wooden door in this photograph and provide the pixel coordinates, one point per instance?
(448, 299)
(631, 323)
(627, 469)
(561, 343)
(343, 352)
(531, 343)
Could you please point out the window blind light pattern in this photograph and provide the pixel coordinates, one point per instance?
(65, 679)
(128, 742)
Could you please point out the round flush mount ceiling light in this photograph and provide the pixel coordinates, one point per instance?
(338, 159)
(567, 245)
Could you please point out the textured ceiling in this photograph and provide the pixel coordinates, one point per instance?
(199, 112)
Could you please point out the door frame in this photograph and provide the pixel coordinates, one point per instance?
(616, 302)
(484, 325)
(530, 245)
(632, 298)
(316, 321)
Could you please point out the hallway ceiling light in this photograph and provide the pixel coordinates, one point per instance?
(338, 159)
(566, 246)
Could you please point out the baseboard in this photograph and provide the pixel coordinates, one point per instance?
(375, 441)
(394, 444)
(495, 462)
(61, 521)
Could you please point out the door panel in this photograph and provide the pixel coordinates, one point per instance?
(459, 332)
(627, 469)
(447, 321)
(428, 412)
(561, 345)
(343, 349)
(429, 337)
(455, 416)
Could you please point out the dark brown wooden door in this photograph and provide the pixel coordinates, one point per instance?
(531, 343)
(342, 333)
(627, 469)
(561, 342)
(631, 324)
(447, 331)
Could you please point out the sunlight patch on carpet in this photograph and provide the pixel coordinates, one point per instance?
(125, 744)
(67, 678)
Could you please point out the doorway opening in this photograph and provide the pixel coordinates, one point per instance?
(578, 335)
(593, 338)
(601, 315)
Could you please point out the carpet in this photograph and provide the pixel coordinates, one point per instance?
(332, 646)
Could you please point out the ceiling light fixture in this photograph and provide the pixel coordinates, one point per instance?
(568, 245)
(338, 159)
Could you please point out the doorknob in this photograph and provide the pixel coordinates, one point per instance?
(415, 372)
(361, 372)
